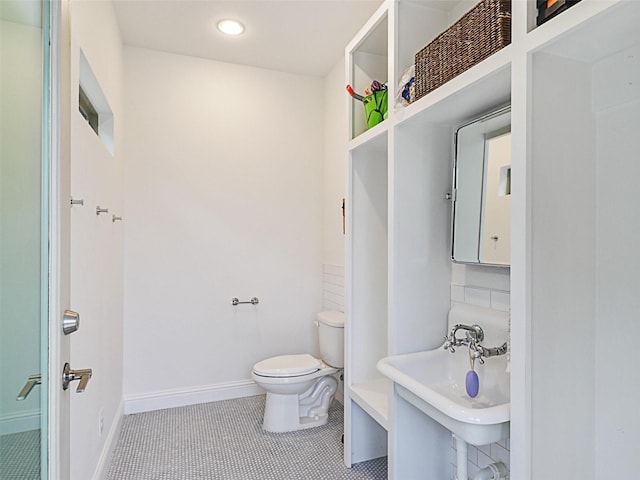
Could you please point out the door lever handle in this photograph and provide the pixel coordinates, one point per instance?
(32, 381)
(69, 376)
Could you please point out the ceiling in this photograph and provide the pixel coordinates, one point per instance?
(298, 36)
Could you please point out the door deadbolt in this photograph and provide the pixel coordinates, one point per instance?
(70, 322)
(69, 376)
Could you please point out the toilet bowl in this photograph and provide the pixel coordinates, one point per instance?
(300, 388)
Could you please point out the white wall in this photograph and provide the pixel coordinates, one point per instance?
(20, 159)
(223, 198)
(617, 305)
(96, 244)
(335, 164)
(617, 105)
(563, 270)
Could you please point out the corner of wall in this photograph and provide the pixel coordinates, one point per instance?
(110, 444)
(334, 165)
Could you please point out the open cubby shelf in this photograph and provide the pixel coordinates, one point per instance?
(574, 85)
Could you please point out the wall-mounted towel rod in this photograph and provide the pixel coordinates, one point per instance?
(253, 301)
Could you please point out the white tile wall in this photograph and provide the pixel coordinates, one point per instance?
(480, 457)
(333, 299)
(333, 287)
(483, 297)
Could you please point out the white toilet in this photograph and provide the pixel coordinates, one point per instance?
(300, 388)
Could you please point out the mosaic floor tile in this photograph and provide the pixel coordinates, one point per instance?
(225, 441)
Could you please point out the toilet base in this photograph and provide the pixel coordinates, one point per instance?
(287, 413)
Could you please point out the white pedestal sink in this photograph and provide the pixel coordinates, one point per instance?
(434, 381)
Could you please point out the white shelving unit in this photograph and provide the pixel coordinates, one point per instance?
(574, 87)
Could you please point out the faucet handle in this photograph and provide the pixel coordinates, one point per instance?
(448, 344)
(477, 352)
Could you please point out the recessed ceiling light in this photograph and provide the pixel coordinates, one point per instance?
(230, 27)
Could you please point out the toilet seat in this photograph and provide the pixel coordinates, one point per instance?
(284, 366)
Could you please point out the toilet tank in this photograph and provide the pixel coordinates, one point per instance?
(331, 337)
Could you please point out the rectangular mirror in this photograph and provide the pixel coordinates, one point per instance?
(481, 199)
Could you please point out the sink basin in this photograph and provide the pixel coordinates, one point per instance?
(434, 382)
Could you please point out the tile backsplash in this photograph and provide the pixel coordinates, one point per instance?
(333, 299)
(333, 287)
(480, 457)
(333, 292)
(483, 297)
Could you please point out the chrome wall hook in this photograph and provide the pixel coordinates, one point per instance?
(115, 219)
(78, 201)
(101, 210)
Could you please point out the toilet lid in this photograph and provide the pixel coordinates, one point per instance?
(287, 365)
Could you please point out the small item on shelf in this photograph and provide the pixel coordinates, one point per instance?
(479, 33)
(548, 9)
(375, 102)
(406, 87)
(376, 106)
(376, 86)
(353, 93)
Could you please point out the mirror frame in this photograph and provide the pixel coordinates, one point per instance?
(453, 197)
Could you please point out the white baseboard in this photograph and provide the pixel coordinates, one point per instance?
(110, 444)
(20, 422)
(148, 402)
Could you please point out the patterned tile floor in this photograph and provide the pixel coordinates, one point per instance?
(225, 441)
(20, 456)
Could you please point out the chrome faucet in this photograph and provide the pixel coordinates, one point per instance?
(473, 336)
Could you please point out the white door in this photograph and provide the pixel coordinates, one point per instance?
(33, 286)
(59, 237)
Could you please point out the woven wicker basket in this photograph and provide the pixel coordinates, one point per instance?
(482, 31)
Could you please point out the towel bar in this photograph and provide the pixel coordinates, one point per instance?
(253, 301)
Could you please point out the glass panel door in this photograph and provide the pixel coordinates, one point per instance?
(23, 240)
